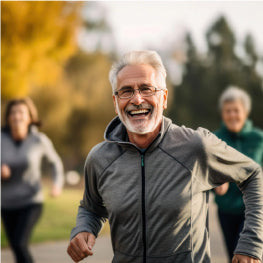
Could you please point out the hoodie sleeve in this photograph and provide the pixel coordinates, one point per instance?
(92, 213)
(54, 160)
(219, 163)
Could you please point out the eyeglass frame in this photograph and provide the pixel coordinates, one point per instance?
(116, 93)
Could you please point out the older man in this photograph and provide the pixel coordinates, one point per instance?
(151, 178)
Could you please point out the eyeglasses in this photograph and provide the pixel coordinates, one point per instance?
(127, 92)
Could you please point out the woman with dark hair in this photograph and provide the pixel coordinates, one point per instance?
(22, 150)
(237, 131)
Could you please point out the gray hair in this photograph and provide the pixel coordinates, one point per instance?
(233, 93)
(138, 58)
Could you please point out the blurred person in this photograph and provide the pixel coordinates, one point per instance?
(237, 131)
(151, 178)
(22, 150)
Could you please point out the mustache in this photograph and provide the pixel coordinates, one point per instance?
(139, 107)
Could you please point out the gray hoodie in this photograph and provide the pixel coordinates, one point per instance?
(157, 200)
(24, 159)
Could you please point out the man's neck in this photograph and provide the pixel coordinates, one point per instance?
(142, 141)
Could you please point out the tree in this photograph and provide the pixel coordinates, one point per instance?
(251, 80)
(41, 58)
(37, 39)
(206, 76)
(221, 42)
(91, 100)
(187, 108)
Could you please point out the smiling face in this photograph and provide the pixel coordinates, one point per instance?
(19, 117)
(140, 115)
(234, 115)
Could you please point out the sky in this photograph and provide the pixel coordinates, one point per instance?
(162, 24)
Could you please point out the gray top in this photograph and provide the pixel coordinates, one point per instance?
(24, 159)
(157, 201)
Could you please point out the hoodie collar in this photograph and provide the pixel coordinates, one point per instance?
(116, 132)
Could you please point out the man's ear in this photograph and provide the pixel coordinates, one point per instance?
(115, 102)
(165, 96)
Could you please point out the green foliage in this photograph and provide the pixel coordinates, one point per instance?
(206, 76)
(221, 41)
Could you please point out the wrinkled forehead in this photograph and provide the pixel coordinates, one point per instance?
(136, 75)
(233, 102)
(234, 106)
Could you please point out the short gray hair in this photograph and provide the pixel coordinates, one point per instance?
(138, 58)
(233, 93)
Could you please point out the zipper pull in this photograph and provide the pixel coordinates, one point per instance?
(142, 159)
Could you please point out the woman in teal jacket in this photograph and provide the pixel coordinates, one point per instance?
(238, 132)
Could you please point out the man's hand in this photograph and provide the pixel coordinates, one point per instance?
(5, 172)
(81, 246)
(244, 259)
(222, 189)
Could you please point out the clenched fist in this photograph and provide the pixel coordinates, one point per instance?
(5, 172)
(81, 246)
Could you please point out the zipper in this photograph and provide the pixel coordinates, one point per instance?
(143, 209)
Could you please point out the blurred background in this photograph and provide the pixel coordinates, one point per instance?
(60, 54)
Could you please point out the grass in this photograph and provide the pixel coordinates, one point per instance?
(58, 217)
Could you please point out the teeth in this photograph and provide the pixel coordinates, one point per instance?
(139, 112)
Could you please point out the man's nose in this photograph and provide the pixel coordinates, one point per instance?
(137, 97)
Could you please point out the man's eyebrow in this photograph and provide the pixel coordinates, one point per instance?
(146, 84)
(126, 87)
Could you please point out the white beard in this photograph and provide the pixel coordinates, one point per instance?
(146, 126)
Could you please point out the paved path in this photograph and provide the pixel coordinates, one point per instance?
(55, 252)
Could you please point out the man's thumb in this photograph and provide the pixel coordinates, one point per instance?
(91, 241)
